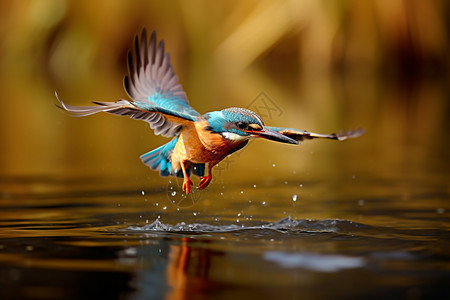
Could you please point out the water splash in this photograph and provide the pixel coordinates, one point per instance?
(283, 225)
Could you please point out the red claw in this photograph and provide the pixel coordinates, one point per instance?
(187, 185)
(204, 181)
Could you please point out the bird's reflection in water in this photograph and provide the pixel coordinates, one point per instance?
(188, 270)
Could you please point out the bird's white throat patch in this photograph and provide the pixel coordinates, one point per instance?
(233, 136)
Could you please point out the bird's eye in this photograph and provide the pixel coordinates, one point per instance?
(241, 125)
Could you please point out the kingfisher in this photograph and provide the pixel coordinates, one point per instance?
(197, 140)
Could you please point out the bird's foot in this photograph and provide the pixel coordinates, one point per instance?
(187, 183)
(204, 181)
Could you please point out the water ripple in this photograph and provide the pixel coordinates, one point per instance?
(283, 225)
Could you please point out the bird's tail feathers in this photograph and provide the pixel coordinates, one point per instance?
(159, 160)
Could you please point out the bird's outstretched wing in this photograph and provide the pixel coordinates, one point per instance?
(153, 85)
(163, 121)
(301, 135)
(151, 78)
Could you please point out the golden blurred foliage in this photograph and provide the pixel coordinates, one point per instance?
(403, 36)
(328, 64)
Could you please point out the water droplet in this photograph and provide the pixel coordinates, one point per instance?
(237, 220)
(239, 214)
(285, 182)
(29, 248)
(361, 202)
(216, 219)
(156, 204)
(294, 172)
(254, 185)
(301, 185)
(221, 194)
(143, 193)
(173, 193)
(249, 201)
(194, 213)
(178, 209)
(242, 192)
(274, 165)
(118, 204)
(294, 198)
(263, 203)
(165, 207)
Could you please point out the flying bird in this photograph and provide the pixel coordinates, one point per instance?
(197, 140)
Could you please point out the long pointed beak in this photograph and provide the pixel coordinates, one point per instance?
(274, 136)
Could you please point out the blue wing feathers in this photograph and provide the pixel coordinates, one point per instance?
(151, 78)
(150, 107)
(173, 103)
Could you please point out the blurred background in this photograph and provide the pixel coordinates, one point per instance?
(324, 66)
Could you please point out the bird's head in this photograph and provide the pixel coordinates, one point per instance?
(239, 124)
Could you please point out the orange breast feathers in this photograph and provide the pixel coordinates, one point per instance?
(218, 146)
(197, 145)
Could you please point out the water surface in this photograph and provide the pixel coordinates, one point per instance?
(76, 238)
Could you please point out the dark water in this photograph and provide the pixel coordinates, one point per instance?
(78, 238)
